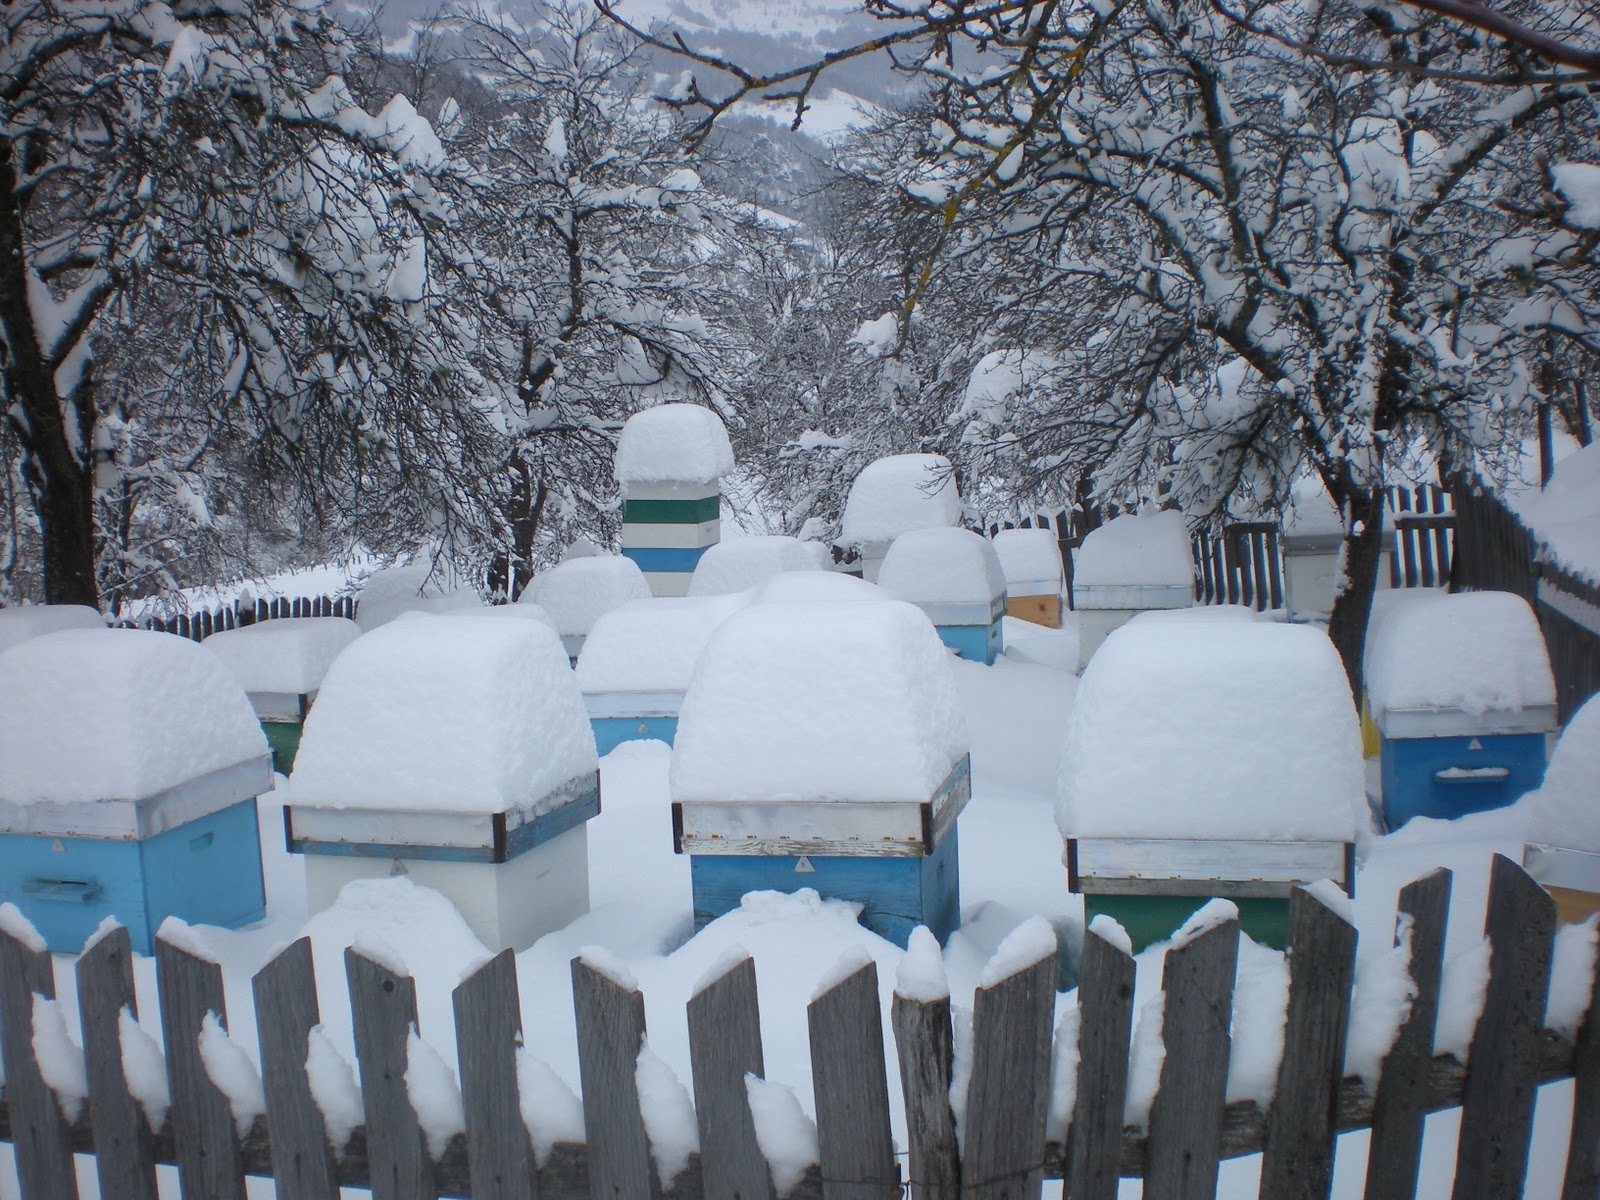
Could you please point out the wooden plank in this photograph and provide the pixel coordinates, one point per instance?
(124, 1157)
(1105, 1022)
(39, 1130)
(851, 1091)
(488, 1016)
(610, 1031)
(1186, 1117)
(1008, 1098)
(1394, 1154)
(383, 1008)
(1297, 1163)
(925, 1047)
(1581, 1180)
(724, 1046)
(209, 1164)
(1502, 1072)
(285, 992)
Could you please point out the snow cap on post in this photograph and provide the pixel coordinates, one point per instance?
(439, 713)
(1245, 733)
(942, 566)
(820, 701)
(673, 443)
(117, 714)
(897, 494)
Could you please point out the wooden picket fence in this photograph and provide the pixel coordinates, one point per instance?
(1006, 1146)
(201, 625)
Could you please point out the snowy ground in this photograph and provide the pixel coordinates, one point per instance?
(1010, 871)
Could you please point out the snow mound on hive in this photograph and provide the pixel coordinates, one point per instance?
(1247, 732)
(651, 645)
(117, 714)
(820, 702)
(942, 566)
(1030, 557)
(578, 592)
(1473, 651)
(1151, 550)
(826, 587)
(289, 655)
(445, 714)
(1563, 812)
(742, 563)
(413, 587)
(28, 621)
(897, 494)
(673, 443)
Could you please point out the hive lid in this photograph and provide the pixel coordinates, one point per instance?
(743, 562)
(673, 443)
(897, 494)
(287, 655)
(942, 566)
(1149, 549)
(578, 592)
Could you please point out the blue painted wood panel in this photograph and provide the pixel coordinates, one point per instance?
(1411, 770)
(976, 643)
(896, 894)
(651, 558)
(611, 732)
(207, 871)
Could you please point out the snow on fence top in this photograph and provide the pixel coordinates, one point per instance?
(413, 587)
(288, 656)
(1474, 652)
(820, 702)
(897, 494)
(1030, 558)
(827, 587)
(1241, 730)
(1563, 811)
(1566, 515)
(440, 713)
(20, 624)
(578, 592)
(651, 645)
(1150, 550)
(673, 443)
(740, 564)
(942, 566)
(117, 714)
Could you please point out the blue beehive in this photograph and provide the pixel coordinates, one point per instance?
(130, 763)
(955, 577)
(1461, 691)
(670, 463)
(454, 749)
(822, 745)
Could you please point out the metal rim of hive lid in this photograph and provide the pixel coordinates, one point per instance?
(1204, 867)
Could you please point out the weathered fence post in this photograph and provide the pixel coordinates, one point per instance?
(209, 1163)
(851, 1090)
(1395, 1152)
(1297, 1163)
(488, 1029)
(610, 1031)
(724, 1046)
(39, 1130)
(1503, 1067)
(925, 1046)
(1105, 1021)
(383, 1004)
(1186, 1117)
(124, 1157)
(285, 993)
(1008, 1099)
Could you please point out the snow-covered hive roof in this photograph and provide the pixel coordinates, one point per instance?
(826, 587)
(412, 587)
(1473, 652)
(1151, 550)
(1031, 561)
(22, 623)
(117, 714)
(942, 566)
(742, 563)
(1311, 511)
(673, 443)
(897, 494)
(820, 702)
(287, 655)
(441, 713)
(1247, 732)
(1565, 811)
(651, 645)
(578, 592)
(523, 610)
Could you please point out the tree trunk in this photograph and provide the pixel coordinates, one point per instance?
(55, 459)
(513, 569)
(1347, 624)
